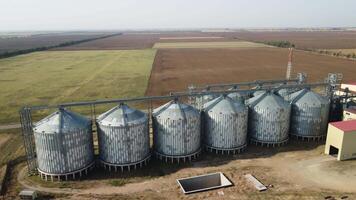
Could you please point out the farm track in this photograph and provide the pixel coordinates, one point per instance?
(10, 126)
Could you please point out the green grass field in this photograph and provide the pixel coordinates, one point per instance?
(189, 45)
(64, 76)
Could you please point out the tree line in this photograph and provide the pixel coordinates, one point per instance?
(280, 43)
(287, 44)
(44, 48)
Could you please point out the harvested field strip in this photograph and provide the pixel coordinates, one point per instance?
(64, 76)
(188, 45)
(136, 41)
(188, 38)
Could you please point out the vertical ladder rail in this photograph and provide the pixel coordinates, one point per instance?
(27, 133)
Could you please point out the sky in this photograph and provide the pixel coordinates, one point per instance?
(23, 15)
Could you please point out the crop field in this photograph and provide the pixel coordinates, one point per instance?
(302, 39)
(64, 76)
(9, 44)
(190, 38)
(189, 45)
(305, 39)
(144, 40)
(178, 68)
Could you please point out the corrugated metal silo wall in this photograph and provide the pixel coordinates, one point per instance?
(123, 145)
(309, 121)
(59, 153)
(177, 137)
(266, 125)
(225, 130)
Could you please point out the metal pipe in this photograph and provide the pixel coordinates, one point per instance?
(257, 82)
(173, 96)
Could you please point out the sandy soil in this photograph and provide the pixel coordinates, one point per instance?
(176, 69)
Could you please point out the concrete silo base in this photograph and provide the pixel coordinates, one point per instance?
(268, 144)
(308, 138)
(115, 167)
(226, 151)
(65, 176)
(178, 159)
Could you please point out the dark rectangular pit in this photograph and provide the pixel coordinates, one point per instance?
(203, 182)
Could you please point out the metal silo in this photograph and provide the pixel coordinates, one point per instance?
(204, 99)
(123, 138)
(64, 145)
(285, 92)
(176, 131)
(256, 93)
(225, 122)
(310, 112)
(269, 117)
(238, 96)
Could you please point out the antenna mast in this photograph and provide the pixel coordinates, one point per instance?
(289, 67)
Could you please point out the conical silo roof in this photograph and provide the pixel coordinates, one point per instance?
(174, 110)
(307, 97)
(122, 115)
(224, 105)
(61, 121)
(283, 92)
(238, 96)
(256, 93)
(267, 100)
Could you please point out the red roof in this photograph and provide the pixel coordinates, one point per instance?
(350, 83)
(349, 125)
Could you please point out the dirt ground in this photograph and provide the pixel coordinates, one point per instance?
(296, 171)
(305, 39)
(176, 69)
(3, 139)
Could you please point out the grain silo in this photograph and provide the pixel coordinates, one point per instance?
(258, 92)
(285, 92)
(123, 138)
(310, 112)
(225, 125)
(201, 100)
(64, 145)
(269, 117)
(238, 96)
(176, 131)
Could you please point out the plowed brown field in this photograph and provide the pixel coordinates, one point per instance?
(176, 69)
